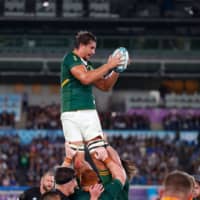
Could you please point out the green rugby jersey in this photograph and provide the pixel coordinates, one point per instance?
(111, 192)
(105, 176)
(75, 95)
(123, 195)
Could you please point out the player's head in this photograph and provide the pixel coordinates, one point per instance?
(178, 185)
(85, 43)
(47, 181)
(196, 191)
(84, 37)
(65, 180)
(50, 195)
(88, 178)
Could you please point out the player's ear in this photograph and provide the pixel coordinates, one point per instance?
(41, 181)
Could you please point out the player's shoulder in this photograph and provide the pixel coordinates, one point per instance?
(32, 190)
(29, 193)
(71, 56)
(67, 56)
(71, 59)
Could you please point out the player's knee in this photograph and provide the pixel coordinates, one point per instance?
(79, 160)
(97, 146)
(77, 147)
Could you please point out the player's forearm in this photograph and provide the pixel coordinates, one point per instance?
(116, 171)
(114, 155)
(67, 162)
(93, 75)
(110, 81)
(107, 83)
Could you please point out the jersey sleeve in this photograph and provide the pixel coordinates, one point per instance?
(72, 61)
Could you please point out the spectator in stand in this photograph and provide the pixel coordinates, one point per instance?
(7, 119)
(46, 117)
(46, 184)
(196, 192)
(25, 101)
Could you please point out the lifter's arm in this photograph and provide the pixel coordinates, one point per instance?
(116, 170)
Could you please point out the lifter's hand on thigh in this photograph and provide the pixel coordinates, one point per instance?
(101, 153)
(70, 153)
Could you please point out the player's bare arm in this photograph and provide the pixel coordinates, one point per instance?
(116, 171)
(89, 77)
(107, 83)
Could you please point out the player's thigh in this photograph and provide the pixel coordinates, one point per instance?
(72, 132)
(92, 126)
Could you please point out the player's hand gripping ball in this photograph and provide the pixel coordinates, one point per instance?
(124, 59)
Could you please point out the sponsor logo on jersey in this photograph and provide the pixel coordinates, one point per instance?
(75, 58)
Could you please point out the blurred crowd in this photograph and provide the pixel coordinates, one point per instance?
(43, 117)
(48, 117)
(23, 164)
(153, 156)
(7, 119)
(181, 122)
(121, 121)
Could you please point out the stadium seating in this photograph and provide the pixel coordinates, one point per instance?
(14, 7)
(72, 8)
(182, 101)
(43, 10)
(99, 8)
(10, 105)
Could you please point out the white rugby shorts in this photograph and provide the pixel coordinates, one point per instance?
(81, 125)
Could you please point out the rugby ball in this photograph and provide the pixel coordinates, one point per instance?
(124, 59)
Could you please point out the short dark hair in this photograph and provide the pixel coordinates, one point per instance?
(48, 173)
(84, 37)
(64, 175)
(178, 181)
(50, 195)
